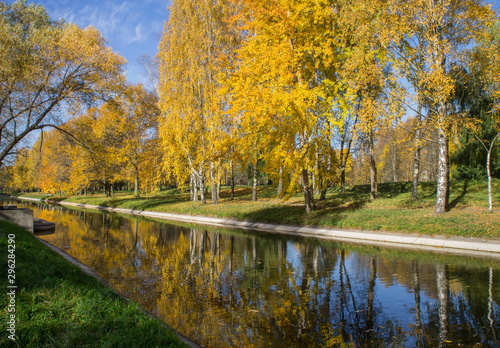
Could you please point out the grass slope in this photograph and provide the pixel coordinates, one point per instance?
(394, 211)
(57, 305)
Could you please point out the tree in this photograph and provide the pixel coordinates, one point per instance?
(282, 89)
(192, 123)
(20, 171)
(477, 96)
(46, 67)
(133, 121)
(94, 153)
(367, 72)
(56, 164)
(434, 37)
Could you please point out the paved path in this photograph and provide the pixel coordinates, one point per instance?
(456, 245)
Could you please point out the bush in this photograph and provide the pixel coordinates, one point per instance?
(462, 172)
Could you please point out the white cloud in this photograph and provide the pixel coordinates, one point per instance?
(140, 35)
(132, 27)
(109, 18)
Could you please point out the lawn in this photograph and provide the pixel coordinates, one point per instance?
(58, 305)
(393, 211)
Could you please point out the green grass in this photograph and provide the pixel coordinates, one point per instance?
(58, 305)
(394, 211)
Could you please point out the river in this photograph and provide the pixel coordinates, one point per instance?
(231, 288)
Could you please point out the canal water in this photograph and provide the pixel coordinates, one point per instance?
(231, 288)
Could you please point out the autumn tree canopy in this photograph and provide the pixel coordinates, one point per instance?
(306, 94)
(46, 67)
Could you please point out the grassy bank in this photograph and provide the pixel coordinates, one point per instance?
(57, 305)
(394, 211)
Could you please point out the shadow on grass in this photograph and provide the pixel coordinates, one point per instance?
(332, 210)
(145, 204)
(460, 197)
(56, 199)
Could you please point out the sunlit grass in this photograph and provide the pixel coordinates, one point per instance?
(57, 305)
(393, 211)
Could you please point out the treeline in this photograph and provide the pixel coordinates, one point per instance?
(309, 94)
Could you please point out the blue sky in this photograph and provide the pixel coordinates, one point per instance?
(132, 28)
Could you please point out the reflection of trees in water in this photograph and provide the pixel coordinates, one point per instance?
(281, 301)
(238, 289)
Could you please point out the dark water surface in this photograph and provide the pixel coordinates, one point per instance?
(226, 288)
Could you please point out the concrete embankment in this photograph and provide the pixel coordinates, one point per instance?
(455, 245)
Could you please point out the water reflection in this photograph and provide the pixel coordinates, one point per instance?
(229, 288)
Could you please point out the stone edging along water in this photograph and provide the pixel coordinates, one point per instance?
(455, 245)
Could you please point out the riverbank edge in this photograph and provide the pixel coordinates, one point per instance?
(454, 245)
(66, 258)
(93, 274)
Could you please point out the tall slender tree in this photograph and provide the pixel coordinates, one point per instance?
(195, 39)
(434, 37)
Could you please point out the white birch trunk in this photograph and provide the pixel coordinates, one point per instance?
(218, 181)
(443, 179)
(443, 297)
(195, 187)
(373, 168)
(232, 179)
(254, 189)
(202, 188)
(488, 172)
(213, 188)
(416, 167)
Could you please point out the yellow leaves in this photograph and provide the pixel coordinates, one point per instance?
(195, 58)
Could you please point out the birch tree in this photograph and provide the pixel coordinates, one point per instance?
(194, 40)
(436, 36)
(283, 86)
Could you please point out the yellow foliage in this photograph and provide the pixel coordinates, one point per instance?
(193, 56)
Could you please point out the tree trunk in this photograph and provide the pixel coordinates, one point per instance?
(342, 167)
(488, 172)
(232, 180)
(443, 179)
(311, 192)
(416, 155)
(371, 296)
(327, 183)
(373, 167)
(418, 311)
(322, 197)
(314, 183)
(213, 188)
(342, 178)
(191, 188)
(344, 157)
(416, 166)
(443, 298)
(254, 189)
(394, 164)
(307, 191)
(195, 187)
(202, 188)
(218, 181)
(136, 183)
(280, 183)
